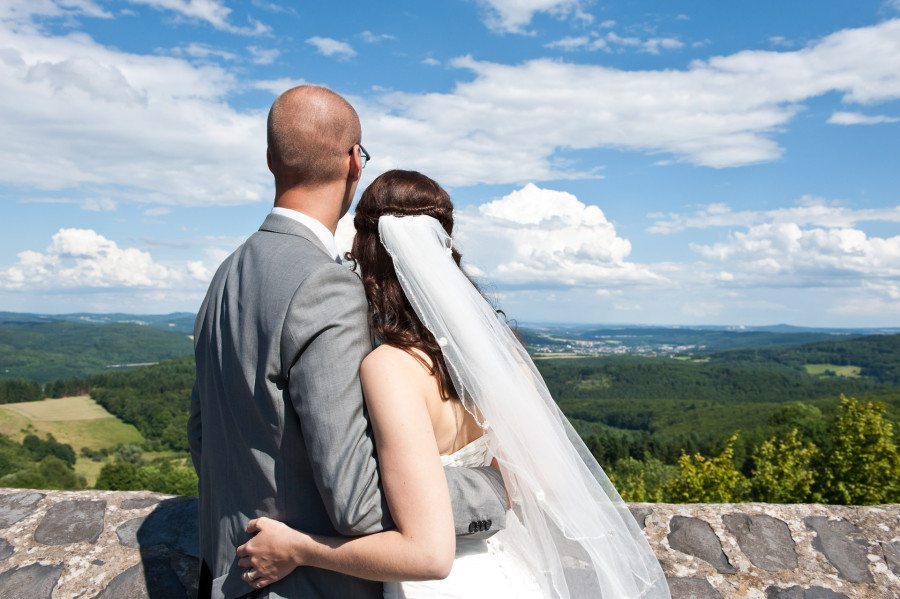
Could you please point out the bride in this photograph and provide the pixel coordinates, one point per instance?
(451, 385)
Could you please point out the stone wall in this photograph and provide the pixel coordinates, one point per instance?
(123, 545)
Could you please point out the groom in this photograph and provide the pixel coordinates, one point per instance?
(278, 426)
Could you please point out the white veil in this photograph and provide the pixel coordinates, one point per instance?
(571, 525)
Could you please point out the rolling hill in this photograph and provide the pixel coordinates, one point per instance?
(46, 350)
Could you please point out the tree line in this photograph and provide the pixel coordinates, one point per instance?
(852, 459)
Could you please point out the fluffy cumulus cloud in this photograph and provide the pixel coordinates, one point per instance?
(809, 210)
(786, 253)
(510, 122)
(82, 258)
(151, 128)
(537, 237)
(331, 47)
(513, 16)
(84, 117)
(812, 245)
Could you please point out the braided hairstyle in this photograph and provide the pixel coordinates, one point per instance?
(391, 316)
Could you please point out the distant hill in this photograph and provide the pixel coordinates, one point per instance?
(49, 348)
(179, 322)
(670, 340)
(877, 356)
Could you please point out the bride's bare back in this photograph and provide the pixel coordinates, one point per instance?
(453, 426)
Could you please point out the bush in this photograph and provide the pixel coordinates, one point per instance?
(863, 466)
(708, 480)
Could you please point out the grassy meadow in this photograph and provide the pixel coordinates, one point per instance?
(832, 370)
(78, 421)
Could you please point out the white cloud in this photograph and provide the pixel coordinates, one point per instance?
(198, 271)
(82, 258)
(272, 7)
(541, 237)
(263, 55)
(432, 62)
(213, 12)
(374, 38)
(781, 41)
(777, 253)
(809, 210)
(651, 45)
(581, 42)
(509, 123)
(105, 123)
(594, 41)
(331, 47)
(654, 44)
(203, 51)
(512, 16)
(858, 118)
(23, 11)
(101, 122)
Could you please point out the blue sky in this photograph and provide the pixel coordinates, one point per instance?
(635, 162)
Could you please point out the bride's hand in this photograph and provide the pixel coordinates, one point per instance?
(273, 552)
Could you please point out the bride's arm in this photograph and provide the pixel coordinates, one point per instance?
(424, 543)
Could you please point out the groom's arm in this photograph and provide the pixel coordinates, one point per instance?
(324, 340)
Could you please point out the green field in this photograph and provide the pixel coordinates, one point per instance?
(838, 370)
(78, 421)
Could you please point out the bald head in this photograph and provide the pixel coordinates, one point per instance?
(310, 132)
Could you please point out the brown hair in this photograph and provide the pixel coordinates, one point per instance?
(391, 316)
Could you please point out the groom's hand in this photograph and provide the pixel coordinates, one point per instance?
(270, 555)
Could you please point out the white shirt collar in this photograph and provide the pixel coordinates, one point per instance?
(321, 231)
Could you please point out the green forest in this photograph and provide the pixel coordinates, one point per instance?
(736, 425)
(44, 351)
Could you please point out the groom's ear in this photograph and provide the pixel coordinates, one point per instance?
(355, 171)
(269, 161)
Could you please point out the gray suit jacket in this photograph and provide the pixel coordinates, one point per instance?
(278, 425)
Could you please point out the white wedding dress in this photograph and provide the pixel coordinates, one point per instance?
(569, 535)
(482, 568)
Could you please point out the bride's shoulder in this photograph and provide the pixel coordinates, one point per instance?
(392, 359)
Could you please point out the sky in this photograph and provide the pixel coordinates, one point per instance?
(624, 163)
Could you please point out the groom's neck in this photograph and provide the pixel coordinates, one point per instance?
(324, 203)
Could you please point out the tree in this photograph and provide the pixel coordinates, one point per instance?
(49, 473)
(130, 454)
(641, 480)
(708, 480)
(19, 390)
(806, 418)
(628, 479)
(863, 466)
(119, 476)
(40, 448)
(783, 469)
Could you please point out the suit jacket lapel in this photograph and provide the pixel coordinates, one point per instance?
(276, 223)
